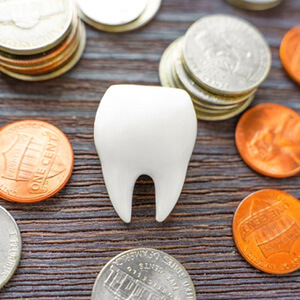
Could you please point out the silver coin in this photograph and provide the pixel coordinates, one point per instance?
(169, 79)
(112, 12)
(149, 13)
(10, 246)
(144, 274)
(201, 105)
(33, 26)
(57, 72)
(166, 64)
(256, 4)
(226, 55)
(196, 90)
(220, 117)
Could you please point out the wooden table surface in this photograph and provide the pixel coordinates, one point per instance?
(68, 238)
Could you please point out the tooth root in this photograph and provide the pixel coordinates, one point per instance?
(120, 184)
(145, 130)
(168, 187)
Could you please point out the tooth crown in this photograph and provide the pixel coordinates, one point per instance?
(143, 130)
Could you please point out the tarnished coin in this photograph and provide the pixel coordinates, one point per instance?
(112, 12)
(256, 4)
(33, 26)
(10, 246)
(266, 230)
(144, 274)
(226, 55)
(36, 161)
(148, 14)
(268, 139)
(290, 53)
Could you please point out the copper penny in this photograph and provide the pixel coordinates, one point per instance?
(36, 161)
(266, 230)
(290, 53)
(268, 139)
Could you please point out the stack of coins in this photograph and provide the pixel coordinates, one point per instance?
(256, 4)
(39, 40)
(117, 15)
(220, 62)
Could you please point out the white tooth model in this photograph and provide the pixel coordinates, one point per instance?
(142, 130)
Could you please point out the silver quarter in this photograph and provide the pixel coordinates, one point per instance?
(226, 55)
(112, 12)
(169, 78)
(10, 246)
(197, 91)
(202, 105)
(144, 274)
(220, 117)
(33, 26)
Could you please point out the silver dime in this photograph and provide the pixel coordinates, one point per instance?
(33, 26)
(226, 55)
(112, 12)
(10, 246)
(144, 274)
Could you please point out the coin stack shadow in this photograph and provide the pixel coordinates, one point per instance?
(51, 61)
(220, 62)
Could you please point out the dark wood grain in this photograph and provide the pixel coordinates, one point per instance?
(68, 238)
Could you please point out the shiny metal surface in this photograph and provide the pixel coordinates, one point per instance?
(112, 12)
(143, 274)
(226, 55)
(33, 26)
(10, 246)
